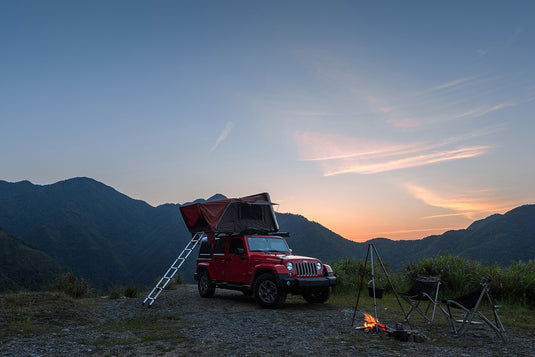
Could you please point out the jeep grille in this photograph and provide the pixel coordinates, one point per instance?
(306, 269)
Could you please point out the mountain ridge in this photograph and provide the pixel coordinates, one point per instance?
(24, 267)
(111, 239)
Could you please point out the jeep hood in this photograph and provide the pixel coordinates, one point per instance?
(288, 257)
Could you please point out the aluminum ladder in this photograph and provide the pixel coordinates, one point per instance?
(173, 269)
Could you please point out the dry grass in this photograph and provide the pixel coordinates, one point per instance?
(182, 322)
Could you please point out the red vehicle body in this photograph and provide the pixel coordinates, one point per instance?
(262, 265)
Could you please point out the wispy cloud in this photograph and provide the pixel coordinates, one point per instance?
(468, 203)
(412, 161)
(455, 83)
(483, 110)
(427, 106)
(226, 131)
(313, 114)
(338, 154)
(405, 123)
(438, 229)
(514, 37)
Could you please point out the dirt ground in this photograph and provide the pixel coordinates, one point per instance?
(180, 323)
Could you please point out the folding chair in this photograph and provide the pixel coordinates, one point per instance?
(424, 289)
(469, 304)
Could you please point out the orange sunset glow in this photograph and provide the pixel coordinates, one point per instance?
(390, 120)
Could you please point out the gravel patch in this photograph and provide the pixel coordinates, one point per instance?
(182, 323)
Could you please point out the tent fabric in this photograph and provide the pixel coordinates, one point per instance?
(231, 216)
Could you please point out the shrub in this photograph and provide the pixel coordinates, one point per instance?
(178, 279)
(130, 291)
(459, 275)
(349, 271)
(114, 293)
(70, 285)
(514, 284)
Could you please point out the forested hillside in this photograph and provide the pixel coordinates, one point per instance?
(111, 239)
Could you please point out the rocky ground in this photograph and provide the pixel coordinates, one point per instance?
(230, 324)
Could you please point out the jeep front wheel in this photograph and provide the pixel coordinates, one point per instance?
(318, 295)
(205, 285)
(268, 293)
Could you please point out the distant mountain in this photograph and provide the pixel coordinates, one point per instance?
(111, 239)
(312, 239)
(23, 267)
(496, 239)
(101, 234)
(499, 239)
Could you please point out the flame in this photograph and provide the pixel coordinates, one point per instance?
(370, 322)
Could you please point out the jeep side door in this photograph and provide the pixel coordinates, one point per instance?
(217, 264)
(237, 263)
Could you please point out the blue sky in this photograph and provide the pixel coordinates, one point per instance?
(395, 119)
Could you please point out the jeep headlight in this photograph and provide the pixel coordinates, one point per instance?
(290, 266)
(319, 266)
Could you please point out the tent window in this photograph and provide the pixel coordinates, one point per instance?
(253, 212)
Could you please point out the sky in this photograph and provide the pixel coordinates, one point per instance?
(396, 119)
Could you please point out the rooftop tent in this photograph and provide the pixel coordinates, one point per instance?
(231, 216)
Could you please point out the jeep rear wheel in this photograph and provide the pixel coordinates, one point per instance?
(268, 293)
(319, 295)
(205, 285)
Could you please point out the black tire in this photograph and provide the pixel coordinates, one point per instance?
(268, 293)
(205, 285)
(318, 295)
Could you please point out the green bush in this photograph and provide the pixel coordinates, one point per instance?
(458, 275)
(70, 285)
(515, 283)
(512, 284)
(349, 271)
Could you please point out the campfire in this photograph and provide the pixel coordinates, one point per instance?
(400, 333)
(370, 323)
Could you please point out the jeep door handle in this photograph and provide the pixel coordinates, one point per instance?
(228, 259)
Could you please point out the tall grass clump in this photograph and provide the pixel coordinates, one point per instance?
(178, 279)
(130, 291)
(512, 284)
(113, 293)
(348, 272)
(70, 285)
(458, 275)
(515, 283)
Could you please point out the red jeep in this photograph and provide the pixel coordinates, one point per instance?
(262, 265)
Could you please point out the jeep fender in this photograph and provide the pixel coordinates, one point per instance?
(201, 267)
(269, 268)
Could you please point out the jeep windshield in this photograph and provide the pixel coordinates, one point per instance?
(267, 244)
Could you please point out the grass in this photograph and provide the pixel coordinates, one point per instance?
(515, 317)
(35, 312)
(122, 327)
(38, 313)
(513, 284)
(145, 327)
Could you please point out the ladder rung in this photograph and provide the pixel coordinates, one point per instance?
(174, 267)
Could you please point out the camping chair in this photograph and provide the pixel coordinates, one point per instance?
(424, 289)
(469, 304)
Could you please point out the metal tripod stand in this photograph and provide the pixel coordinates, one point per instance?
(369, 254)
